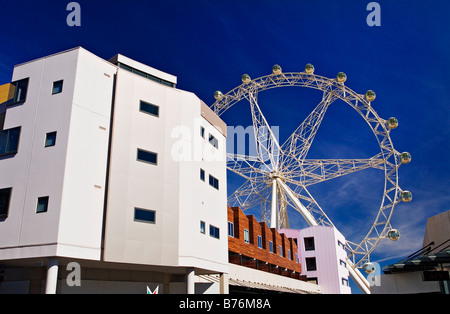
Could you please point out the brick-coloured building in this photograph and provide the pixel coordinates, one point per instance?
(253, 244)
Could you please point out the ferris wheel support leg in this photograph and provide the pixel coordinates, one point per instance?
(305, 213)
(358, 278)
(274, 213)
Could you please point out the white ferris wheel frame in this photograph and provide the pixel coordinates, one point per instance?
(279, 167)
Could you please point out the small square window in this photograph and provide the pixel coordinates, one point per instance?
(214, 182)
(42, 204)
(311, 263)
(57, 87)
(213, 141)
(17, 92)
(50, 139)
(9, 141)
(309, 244)
(214, 232)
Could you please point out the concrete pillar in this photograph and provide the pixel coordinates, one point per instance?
(224, 284)
(52, 276)
(190, 281)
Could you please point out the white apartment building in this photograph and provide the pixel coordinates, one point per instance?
(323, 257)
(109, 165)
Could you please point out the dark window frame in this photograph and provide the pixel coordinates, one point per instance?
(142, 212)
(5, 136)
(46, 144)
(144, 107)
(42, 201)
(140, 156)
(202, 227)
(214, 232)
(4, 207)
(59, 84)
(310, 244)
(202, 175)
(311, 263)
(214, 182)
(19, 86)
(213, 141)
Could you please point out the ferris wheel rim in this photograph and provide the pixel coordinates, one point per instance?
(378, 126)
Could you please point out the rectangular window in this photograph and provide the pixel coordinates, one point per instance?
(57, 87)
(2, 121)
(271, 246)
(50, 139)
(17, 92)
(230, 229)
(343, 263)
(309, 244)
(214, 231)
(280, 249)
(146, 156)
(149, 108)
(213, 182)
(246, 236)
(344, 282)
(202, 132)
(144, 215)
(5, 197)
(9, 141)
(342, 245)
(310, 263)
(259, 242)
(213, 141)
(42, 204)
(289, 254)
(202, 175)
(202, 227)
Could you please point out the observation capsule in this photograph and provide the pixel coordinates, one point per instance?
(406, 196)
(341, 77)
(369, 268)
(392, 123)
(309, 68)
(405, 157)
(276, 69)
(393, 234)
(370, 95)
(218, 95)
(246, 78)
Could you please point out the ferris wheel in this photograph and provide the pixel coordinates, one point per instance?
(278, 175)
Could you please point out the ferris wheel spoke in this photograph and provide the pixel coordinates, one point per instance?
(251, 193)
(245, 166)
(283, 202)
(267, 146)
(298, 144)
(308, 207)
(313, 171)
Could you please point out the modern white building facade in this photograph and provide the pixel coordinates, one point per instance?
(108, 164)
(323, 257)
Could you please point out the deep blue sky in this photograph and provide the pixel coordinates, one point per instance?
(209, 44)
